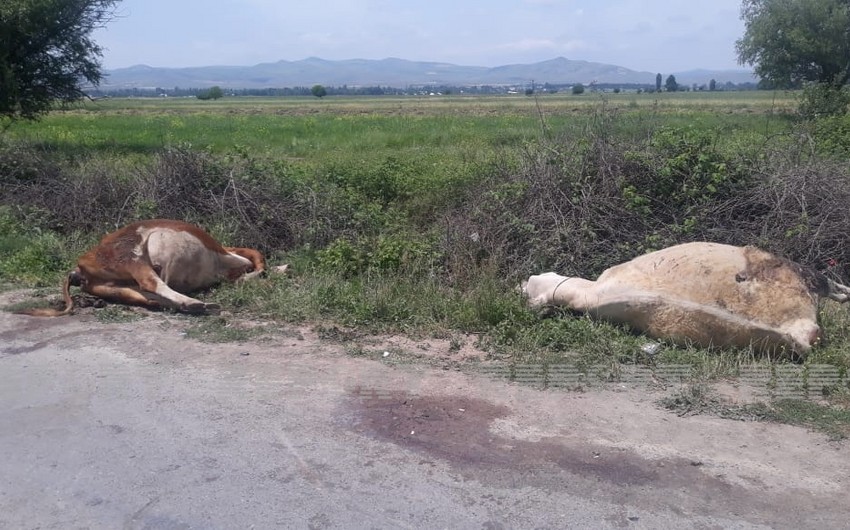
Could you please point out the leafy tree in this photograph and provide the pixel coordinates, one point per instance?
(319, 91)
(47, 52)
(712, 85)
(800, 42)
(578, 88)
(671, 85)
(216, 92)
(792, 41)
(658, 82)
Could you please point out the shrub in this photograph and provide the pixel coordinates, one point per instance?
(580, 205)
(823, 99)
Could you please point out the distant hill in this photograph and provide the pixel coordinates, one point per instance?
(397, 73)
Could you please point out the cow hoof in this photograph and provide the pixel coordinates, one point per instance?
(212, 309)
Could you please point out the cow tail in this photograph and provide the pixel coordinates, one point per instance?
(49, 312)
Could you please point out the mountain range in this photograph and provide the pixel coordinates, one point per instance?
(399, 73)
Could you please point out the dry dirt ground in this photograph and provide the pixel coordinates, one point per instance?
(134, 425)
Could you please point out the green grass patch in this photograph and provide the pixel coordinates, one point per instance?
(117, 314)
(698, 398)
(221, 329)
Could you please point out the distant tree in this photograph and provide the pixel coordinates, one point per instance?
(800, 42)
(577, 89)
(529, 91)
(319, 91)
(210, 93)
(215, 92)
(658, 82)
(47, 53)
(617, 90)
(671, 85)
(712, 85)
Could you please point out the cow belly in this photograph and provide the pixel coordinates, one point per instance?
(183, 262)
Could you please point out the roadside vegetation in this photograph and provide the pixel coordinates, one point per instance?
(421, 216)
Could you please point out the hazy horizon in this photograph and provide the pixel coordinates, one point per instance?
(696, 68)
(642, 35)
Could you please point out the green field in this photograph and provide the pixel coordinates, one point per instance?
(313, 129)
(421, 214)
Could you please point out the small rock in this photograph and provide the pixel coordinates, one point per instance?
(650, 348)
(386, 354)
(245, 353)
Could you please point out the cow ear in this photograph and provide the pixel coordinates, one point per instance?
(521, 288)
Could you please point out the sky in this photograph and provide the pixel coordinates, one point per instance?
(644, 35)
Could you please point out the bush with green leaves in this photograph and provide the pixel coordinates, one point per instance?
(680, 172)
(823, 99)
(28, 254)
(831, 135)
(385, 252)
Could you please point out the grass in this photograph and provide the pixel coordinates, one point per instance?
(310, 130)
(117, 314)
(698, 398)
(393, 173)
(222, 329)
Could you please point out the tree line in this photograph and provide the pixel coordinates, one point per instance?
(443, 90)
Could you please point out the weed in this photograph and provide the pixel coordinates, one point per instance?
(832, 421)
(220, 329)
(117, 314)
(25, 305)
(698, 398)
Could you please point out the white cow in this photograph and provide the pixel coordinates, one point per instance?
(702, 293)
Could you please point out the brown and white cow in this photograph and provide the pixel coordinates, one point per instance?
(152, 263)
(702, 293)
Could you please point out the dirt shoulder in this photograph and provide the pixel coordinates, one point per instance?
(609, 444)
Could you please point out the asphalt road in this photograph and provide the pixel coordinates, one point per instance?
(134, 426)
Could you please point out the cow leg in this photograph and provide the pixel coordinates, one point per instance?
(121, 295)
(150, 282)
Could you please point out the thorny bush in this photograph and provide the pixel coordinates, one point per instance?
(576, 204)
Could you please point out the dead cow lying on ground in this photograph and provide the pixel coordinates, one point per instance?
(150, 263)
(703, 293)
